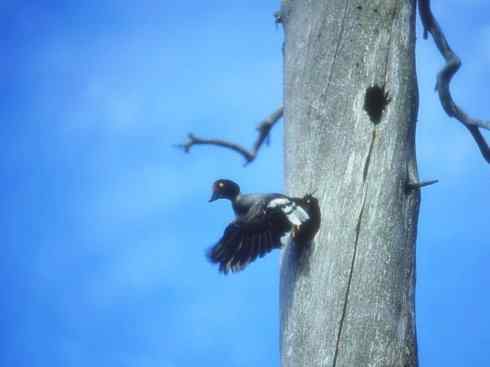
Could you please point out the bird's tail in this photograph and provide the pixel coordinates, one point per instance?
(309, 229)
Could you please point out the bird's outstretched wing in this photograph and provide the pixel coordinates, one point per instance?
(256, 233)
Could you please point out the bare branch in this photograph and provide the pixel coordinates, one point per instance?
(417, 185)
(263, 128)
(194, 140)
(453, 63)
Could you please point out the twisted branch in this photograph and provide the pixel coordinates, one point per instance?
(263, 128)
(453, 63)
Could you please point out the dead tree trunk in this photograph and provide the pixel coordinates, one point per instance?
(348, 299)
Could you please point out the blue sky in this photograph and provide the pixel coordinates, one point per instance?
(105, 223)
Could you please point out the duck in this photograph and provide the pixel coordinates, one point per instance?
(263, 222)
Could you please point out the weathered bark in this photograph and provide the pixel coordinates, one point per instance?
(348, 299)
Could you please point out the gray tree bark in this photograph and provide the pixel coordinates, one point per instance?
(348, 298)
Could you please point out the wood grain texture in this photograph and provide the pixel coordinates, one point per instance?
(348, 299)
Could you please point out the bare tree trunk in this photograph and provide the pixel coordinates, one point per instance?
(348, 299)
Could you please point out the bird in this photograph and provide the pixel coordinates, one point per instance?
(263, 222)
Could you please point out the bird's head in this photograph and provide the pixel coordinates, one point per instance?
(224, 189)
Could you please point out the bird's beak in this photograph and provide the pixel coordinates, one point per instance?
(214, 197)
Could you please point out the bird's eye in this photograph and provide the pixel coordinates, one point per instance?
(308, 201)
(221, 184)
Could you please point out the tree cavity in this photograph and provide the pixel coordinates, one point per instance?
(375, 102)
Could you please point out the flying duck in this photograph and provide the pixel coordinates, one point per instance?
(263, 222)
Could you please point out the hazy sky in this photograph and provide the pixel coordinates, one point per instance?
(106, 223)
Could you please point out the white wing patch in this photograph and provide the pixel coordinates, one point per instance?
(278, 202)
(295, 213)
(286, 239)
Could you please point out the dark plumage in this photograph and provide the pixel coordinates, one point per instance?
(262, 220)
